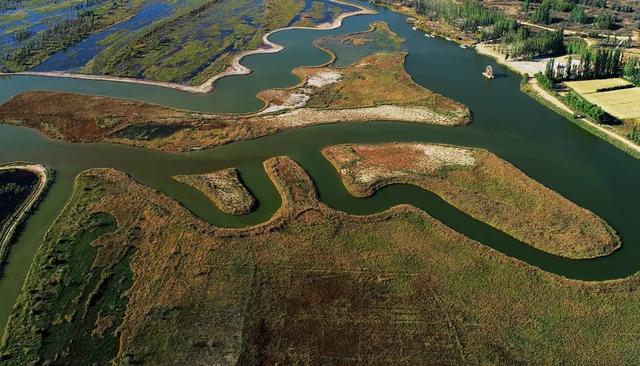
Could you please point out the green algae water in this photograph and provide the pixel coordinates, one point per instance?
(550, 149)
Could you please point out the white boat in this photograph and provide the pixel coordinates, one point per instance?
(415, 28)
(463, 46)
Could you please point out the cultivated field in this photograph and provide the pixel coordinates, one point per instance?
(592, 86)
(623, 104)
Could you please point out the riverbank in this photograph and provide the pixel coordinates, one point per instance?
(306, 265)
(483, 186)
(360, 92)
(10, 226)
(236, 68)
(548, 99)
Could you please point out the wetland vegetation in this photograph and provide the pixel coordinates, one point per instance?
(483, 186)
(138, 268)
(81, 18)
(397, 287)
(375, 88)
(198, 44)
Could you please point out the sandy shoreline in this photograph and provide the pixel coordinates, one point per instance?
(236, 68)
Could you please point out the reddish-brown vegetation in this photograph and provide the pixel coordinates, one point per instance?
(482, 185)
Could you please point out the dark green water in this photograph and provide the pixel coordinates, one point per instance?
(547, 147)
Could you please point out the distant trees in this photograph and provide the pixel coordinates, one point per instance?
(594, 3)
(525, 44)
(578, 15)
(593, 64)
(605, 21)
(622, 8)
(542, 14)
(631, 70)
(489, 24)
(469, 16)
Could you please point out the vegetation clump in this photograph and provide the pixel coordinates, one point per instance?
(379, 35)
(15, 187)
(224, 188)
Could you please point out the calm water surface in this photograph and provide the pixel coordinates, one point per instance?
(545, 146)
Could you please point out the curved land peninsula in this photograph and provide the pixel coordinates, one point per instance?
(150, 283)
(22, 185)
(482, 185)
(224, 188)
(375, 88)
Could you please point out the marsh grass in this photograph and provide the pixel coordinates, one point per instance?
(312, 285)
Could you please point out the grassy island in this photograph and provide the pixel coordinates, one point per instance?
(224, 188)
(131, 273)
(324, 95)
(482, 185)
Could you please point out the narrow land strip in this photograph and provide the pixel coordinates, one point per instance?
(8, 230)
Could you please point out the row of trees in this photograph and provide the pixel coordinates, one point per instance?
(578, 103)
(523, 44)
(469, 16)
(592, 64)
(543, 13)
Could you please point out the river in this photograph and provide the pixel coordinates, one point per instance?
(547, 147)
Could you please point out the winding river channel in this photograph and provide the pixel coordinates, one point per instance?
(544, 145)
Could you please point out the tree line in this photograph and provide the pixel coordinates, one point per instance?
(488, 24)
(592, 64)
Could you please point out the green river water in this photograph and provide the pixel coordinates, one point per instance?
(544, 145)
